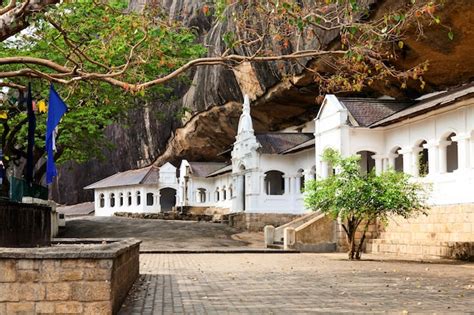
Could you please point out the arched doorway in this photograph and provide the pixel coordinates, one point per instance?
(167, 199)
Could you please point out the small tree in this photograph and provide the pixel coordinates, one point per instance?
(359, 199)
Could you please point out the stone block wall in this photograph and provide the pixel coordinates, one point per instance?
(255, 222)
(450, 223)
(446, 231)
(316, 235)
(34, 281)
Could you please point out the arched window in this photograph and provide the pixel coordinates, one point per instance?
(217, 194)
(423, 168)
(224, 193)
(101, 201)
(139, 198)
(451, 154)
(367, 162)
(121, 199)
(112, 200)
(274, 183)
(129, 198)
(300, 179)
(149, 199)
(398, 160)
(202, 192)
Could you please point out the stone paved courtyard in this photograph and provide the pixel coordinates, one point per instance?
(158, 235)
(298, 284)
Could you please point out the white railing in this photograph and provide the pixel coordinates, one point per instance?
(276, 234)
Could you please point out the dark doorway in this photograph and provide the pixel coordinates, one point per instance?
(167, 199)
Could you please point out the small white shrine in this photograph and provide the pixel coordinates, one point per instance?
(149, 189)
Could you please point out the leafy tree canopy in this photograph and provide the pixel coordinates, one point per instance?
(360, 199)
(93, 38)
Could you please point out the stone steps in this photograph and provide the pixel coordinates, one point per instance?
(422, 248)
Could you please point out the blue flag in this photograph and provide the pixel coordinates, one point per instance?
(56, 110)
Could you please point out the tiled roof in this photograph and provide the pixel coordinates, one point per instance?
(427, 104)
(80, 209)
(305, 145)
(203, 169)
(278, 142)
(224, 170)
(147, 175)
(367, 111)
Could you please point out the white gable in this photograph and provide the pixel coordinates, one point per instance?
(330, 106)
(168, 174)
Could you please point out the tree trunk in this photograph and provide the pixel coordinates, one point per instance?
(358, 253)
(350, 231)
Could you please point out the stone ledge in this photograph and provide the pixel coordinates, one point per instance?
(73, 249)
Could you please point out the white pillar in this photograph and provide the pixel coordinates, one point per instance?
(407, 153)
(158, 195)
(442, 162)
(391, 161)
(289, 238)
(463, 141)
(471, 151)
(269, 233)
(262, 185)
(324, 169)
(287, 185)
(378, 163)
(298, 183)
(307, 175)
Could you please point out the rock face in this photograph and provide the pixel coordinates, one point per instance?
(278, 101)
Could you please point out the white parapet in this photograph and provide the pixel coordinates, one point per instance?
(269, 232)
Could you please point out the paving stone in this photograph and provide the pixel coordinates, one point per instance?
(297, 284)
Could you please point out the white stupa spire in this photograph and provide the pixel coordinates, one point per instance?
(245, 122)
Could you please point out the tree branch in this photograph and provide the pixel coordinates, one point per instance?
(15, 19)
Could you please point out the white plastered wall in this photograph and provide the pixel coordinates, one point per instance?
(332, 131)
(107, 210)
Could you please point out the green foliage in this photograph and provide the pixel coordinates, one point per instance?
(358, 198)
(97, 38)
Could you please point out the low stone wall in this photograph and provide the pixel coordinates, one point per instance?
(446, 231)
(166, 216)
(255, 222)
(317, 235)
(92, 277)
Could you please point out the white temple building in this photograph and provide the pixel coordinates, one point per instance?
(430, 138)
(136, 191)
